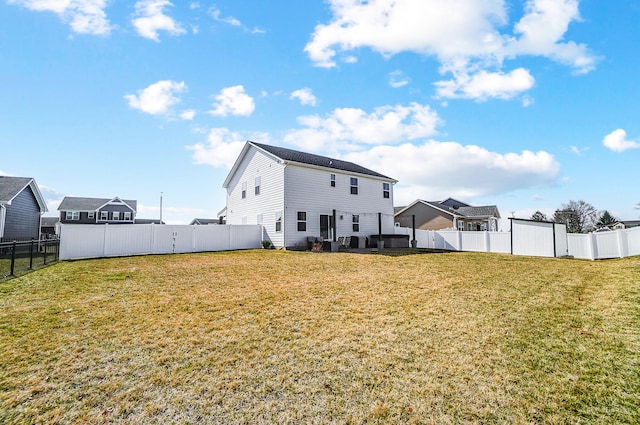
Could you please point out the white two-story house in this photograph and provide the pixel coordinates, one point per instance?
(297, 196)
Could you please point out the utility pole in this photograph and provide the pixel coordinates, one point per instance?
(160, 208)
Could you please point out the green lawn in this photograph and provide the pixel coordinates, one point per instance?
(283, 337)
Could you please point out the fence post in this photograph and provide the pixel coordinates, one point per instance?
(13, 257)
(44, 257)
(31, 255)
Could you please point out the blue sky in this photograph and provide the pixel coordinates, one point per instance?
(521, 104)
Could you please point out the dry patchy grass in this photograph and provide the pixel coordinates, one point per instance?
(283, 337)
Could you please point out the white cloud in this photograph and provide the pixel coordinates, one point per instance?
(233, 101)
(305, 96)
(436, 170)
(222, 147)
(542, 29)
(386, 124)
(215, 13)
(188, 114)
(397, 79)
(617, 141)
(149, 18)
(4, 173)
(484, 85)
(83, 16)
(157, 98)
(466, 36)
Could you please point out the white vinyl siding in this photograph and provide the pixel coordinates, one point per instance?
(307, 190)
(257, 164)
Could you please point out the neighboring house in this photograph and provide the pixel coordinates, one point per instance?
(448, 214)
(148, 221)
(204, 221)
(21, 207)
(49, 227)
(626, 224)
(297, 196)
(75, 210)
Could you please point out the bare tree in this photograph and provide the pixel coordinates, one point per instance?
(579, 216)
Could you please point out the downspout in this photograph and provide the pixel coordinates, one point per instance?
(3, 214)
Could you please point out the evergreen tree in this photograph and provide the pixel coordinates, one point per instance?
(539, 216)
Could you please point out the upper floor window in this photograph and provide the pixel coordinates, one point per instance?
(257, 186)
(104, 215)
(73, 215)
(116, 215)
(333, 180)
(244, 190)
(354, 185)
(461, 226)
(302, 221)
(385, 190)
(278, 221)
(91, 214)
(355, 223)
(127, 215)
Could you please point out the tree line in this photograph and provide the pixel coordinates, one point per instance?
(579, 217)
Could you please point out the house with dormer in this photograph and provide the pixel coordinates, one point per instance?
(448, 214)
(76, 210)
(296, 196)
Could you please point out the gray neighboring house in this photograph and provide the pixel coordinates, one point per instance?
(21, 208)
(625, 224)
(75, 210)
(49, 227)
(448, 214)
(204, 221)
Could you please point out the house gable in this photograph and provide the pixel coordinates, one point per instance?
(21, 207)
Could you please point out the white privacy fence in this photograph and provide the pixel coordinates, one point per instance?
(92, 241)
(533, 239)
(602, 245)
(453, 240)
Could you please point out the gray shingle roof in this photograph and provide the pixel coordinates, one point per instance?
(318, 160)
(71, 203)
(49, 221)
(470, 212)
(12, 186)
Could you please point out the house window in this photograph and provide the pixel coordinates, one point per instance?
(385, 190)
(278, 221)
(104, 215)
(127, 215)
(73, 215)
(354, 186)
(259, 219)
(461, 226)
(302, 221)
(333, 180)
(91, 214)
(244, 190)
(116, 215)
(257, 186)
(469, 226)
(355, 223)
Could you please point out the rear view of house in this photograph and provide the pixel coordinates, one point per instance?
(21, 208)
(297, 196)
(74, 210)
